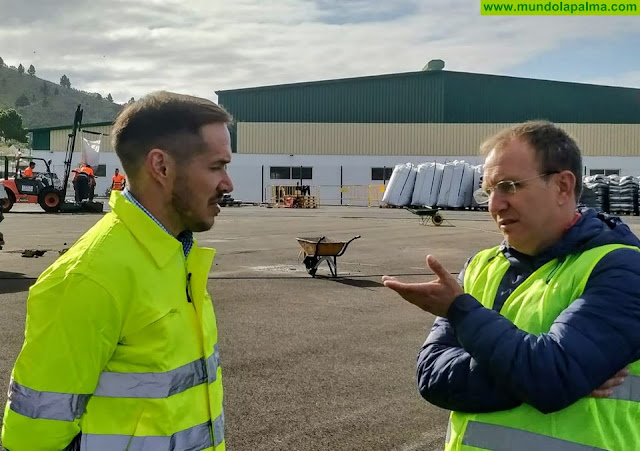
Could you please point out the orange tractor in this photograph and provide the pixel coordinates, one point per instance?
(44, 188)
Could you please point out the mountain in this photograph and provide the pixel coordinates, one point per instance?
(50, 104)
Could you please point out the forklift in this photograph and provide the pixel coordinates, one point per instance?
(45, 188)
(80, 204)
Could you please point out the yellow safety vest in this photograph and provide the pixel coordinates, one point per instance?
(121, 353)
(590, 423)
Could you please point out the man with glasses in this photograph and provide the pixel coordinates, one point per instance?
(538, 344)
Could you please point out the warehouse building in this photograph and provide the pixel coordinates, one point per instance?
(351, 132)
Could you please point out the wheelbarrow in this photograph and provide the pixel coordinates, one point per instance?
(427, 214)
(320, 249)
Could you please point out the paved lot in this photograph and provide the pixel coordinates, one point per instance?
(308, 364)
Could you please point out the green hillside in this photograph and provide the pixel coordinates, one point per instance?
(49, 103)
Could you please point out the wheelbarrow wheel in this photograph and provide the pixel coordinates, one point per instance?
(437, 219)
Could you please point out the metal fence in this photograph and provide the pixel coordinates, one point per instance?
(346, 195)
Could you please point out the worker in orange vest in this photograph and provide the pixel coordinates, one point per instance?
(87, 170)
(28, 172)
(118, 181)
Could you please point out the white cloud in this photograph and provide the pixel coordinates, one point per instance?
(626, 79)
(202, 46)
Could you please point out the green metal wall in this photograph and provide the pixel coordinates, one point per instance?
(434, 97)
(486, 98)
(41, 140)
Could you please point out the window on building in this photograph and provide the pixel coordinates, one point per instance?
(604, 171)
(280, 172)
(291, 172)
(101, 170)
(383, 174)
(307, 173)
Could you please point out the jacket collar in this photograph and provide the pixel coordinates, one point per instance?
(590, 230)
(161, 245)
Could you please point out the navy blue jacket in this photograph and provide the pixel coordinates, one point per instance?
(476, 360)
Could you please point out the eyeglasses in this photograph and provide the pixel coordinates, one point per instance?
(505, 188)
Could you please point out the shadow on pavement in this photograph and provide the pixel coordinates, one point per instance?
(358, 283)
(14, 282)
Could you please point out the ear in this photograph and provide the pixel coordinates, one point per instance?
(160, 166)
(566, 183)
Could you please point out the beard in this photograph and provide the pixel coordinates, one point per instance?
(183, 205)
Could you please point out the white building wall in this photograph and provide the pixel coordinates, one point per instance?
(251, 173)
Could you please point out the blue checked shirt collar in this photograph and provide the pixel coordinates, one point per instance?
(185, 237)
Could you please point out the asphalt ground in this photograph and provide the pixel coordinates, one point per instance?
(308, 364)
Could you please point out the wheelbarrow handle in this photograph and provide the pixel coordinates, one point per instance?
(318, 244)
(344, 248)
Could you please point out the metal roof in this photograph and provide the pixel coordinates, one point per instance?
(434, 97)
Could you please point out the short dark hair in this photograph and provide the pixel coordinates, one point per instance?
(163, 120)
(555, 149)
(32, 163)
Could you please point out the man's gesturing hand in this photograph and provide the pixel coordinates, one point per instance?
(434, 297)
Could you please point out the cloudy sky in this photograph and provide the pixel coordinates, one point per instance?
(129, 48)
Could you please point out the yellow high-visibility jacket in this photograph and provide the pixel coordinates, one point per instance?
(120, 347)
(589, 424)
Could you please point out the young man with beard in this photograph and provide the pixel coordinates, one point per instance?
(539, 348)
(121, 353)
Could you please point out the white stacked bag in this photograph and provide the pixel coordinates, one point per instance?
(477, 183)
(445, 186)
(399, 191)
(449, 185)
(456, 189)
(427, 186)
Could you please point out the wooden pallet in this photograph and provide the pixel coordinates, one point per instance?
(308, 202)
(297, 202)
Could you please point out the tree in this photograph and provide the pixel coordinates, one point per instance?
(131, 100)
(32, 70)
(56, 92)
(45, 101)
(23, 100)
(3, 82)
(64, 81)
(11, 126)
(1, 62)
(110, 98)
(21, 69)
(98, 96)
(45, 88)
